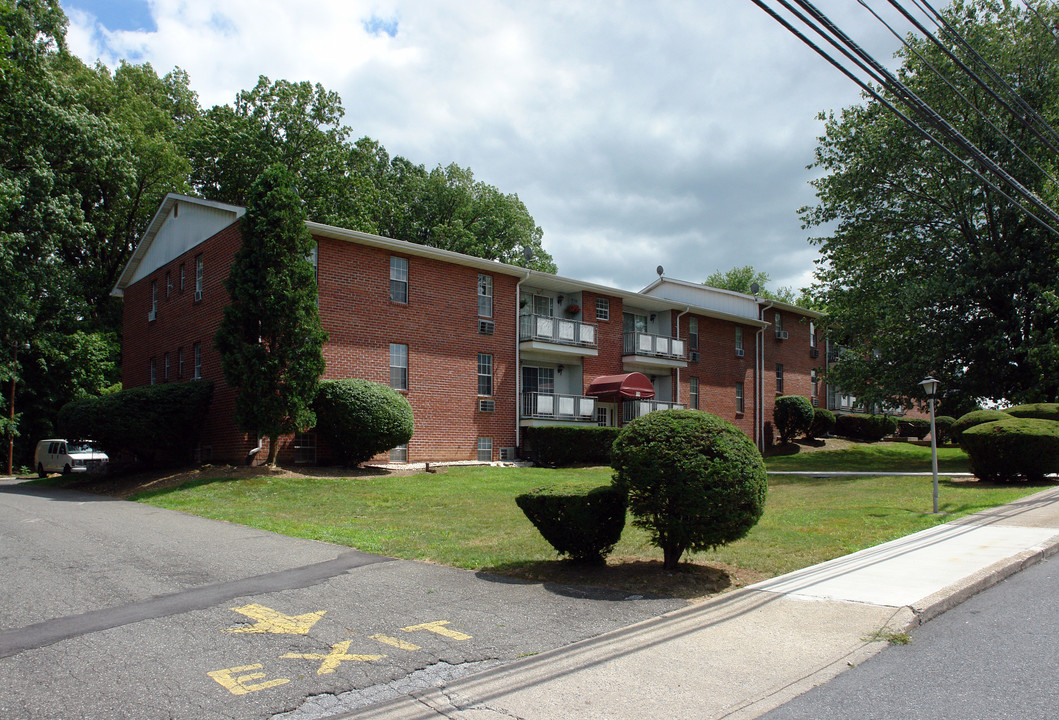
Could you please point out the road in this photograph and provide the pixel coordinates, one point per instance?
(111, 609)
(993, 657)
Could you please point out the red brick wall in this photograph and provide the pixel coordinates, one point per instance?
(793, 354)
(608, 339)
(718, 370)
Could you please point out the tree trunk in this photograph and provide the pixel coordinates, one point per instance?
(273, 450)
(672, 556)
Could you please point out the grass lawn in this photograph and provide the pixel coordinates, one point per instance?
(466, 517)
(883, 456)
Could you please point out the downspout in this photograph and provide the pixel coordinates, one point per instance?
(676, 389)
(759, 381)
(518, 362)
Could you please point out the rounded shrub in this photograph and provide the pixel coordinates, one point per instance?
(823, 423)
(975, 417)
(559, 445)
(917, 428)
(584, 525)
(943, 427)
(870, 428)
(1040, 411)
(792, 414)
(1004, 450)
(691, 479)
(360, 419)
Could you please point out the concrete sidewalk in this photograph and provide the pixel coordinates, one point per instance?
(749, 651)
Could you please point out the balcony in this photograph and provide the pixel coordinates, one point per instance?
(632, 409)
(557, 336)
(641, 349)
(558, 407)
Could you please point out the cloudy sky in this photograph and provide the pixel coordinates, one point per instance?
(637, 133)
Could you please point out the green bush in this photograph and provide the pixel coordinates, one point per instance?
(913, 428)
(358, 419)
(560, 445)
(870, 428)
(691, 479)
(823, 423)
(152, 423)
(792, 415)
(1040, 411)
(943, 427)
(584, 525)
(973, 418)
(1004, 450)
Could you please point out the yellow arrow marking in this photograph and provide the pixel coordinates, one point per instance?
(438, 627)
(332, 660)
(241, 685)
(394, 642)
(270, 621)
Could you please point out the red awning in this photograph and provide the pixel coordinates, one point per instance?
(611, 388)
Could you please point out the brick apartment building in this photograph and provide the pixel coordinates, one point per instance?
(481, 349)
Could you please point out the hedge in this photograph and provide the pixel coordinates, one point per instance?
(584, 525)
(793, 415)
(943, 427)
(870, 428)
(913, 428)
(1040, 411)
(1004, 450)
(559, 445)
(823, 423)
(973, 418)
(151, 423)
(358, 419)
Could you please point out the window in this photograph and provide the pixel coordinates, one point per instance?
(739, 341)
(739, 397)
(399, 454)
(779, 378)
(168, 284)
(812, 334)
(197, 350)
(154, 298)
(485, 449)
(152, 371)
(198, 277)
(693, 393)
(305, 448)
(398, 366)
(485, 374)
(399, 279)
(779, 323)
(693, 333)
(180, 362)
(543, 305)
(538, 380)
(816, 382)
(602, 417)
(485, 296)
(182, 274)
(602, 309)
(634, 323)
(165, 367)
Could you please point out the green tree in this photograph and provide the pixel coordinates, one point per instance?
(928, 270)
(742, 279)
(270, 337)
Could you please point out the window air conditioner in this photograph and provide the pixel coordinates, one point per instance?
(814, 352)
(507, 454)
(198, 295)
(151, 315)
(781, 334)
(486, 405)
(739, 352)
(694, 356)
(486, 327)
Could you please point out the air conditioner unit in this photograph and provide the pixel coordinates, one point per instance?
(151, 315)
(486, 327)
(198, 295)
(816, 401)
(694, 356)
(781, 335)
(486, 405)
(739, 352)
(814, 352)
(507, 454)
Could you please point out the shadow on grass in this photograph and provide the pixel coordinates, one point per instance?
(618, 578)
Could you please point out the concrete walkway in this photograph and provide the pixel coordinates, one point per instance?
(749, 651)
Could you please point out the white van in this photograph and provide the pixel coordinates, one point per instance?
(56, 455)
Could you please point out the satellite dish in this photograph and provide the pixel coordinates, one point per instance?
(659, 270)
(754, 287)
(527, 252)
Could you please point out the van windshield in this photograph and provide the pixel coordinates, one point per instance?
(81, 446)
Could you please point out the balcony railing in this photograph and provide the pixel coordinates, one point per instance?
(641, 343)
(557, 330)
(558, 407)
(632, 409)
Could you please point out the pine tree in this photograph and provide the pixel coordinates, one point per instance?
(270, 338)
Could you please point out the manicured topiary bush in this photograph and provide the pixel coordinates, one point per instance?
(870, 428)
(975, 417)
(792, 415)
(823, 423)
(913, 428)
(1040, 411)
(584, 525)
(1005, 450)
(943, 427)
(557, 445)
(154, 423)
(691, 479)
(360, 419)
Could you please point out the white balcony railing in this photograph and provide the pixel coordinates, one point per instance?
(647, 344)
(558, 407)
(632, 409)
(557, 330)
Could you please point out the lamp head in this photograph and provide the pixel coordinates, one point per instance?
(930, 386)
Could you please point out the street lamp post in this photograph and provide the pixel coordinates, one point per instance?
(930, 387)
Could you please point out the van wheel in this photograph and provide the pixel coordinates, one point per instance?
(66, 469)
(40, 470)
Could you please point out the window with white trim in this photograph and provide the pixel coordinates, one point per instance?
(779, 378)
(693, 393)
(198, 277)
(602, 309)
(168, 284)
(399, 279)
(738, 338)
(154, 298)
(693, 333)
(182, 274)
(165, 367)
(152, 371)
(485, 295)
(739, 408)
(398, 366)
(779, 323)
(812, 334)
(485, 374)
(180, 362)
(485, 449)
(197, 351)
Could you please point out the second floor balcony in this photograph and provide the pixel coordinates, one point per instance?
(643, 348)
(558, 335)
